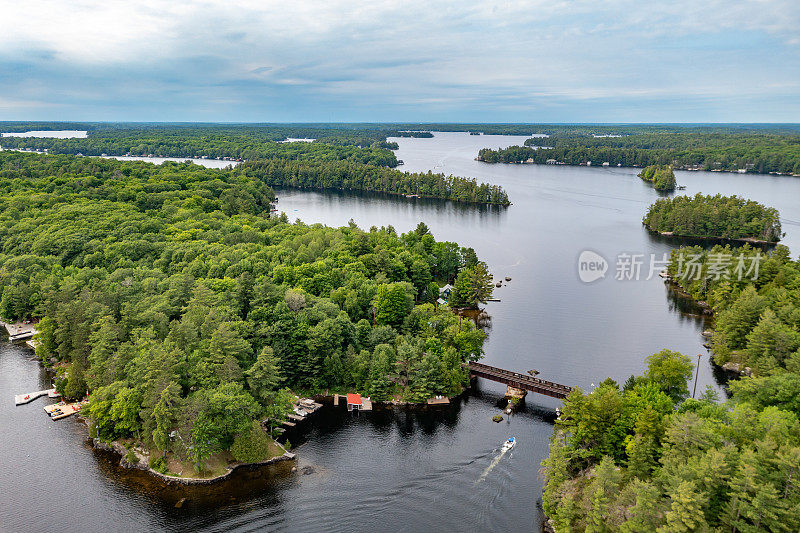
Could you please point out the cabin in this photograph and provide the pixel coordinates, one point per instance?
(440, 302)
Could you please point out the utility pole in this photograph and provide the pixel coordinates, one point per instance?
(696, 372)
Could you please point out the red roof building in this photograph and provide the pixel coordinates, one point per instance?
(353, 401)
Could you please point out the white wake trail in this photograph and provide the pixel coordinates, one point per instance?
(492, 464)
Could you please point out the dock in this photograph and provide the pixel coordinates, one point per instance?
(439, 400)
(22, 399)
(21, 331)
(60, 410)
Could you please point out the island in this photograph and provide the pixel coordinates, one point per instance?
(714, 217)
(660, 176)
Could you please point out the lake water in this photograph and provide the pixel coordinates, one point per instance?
(431, 469)
(54, 134)
(208, 163)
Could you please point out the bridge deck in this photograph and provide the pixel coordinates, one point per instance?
(520, 381)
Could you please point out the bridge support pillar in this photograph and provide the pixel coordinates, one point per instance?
(513, 392)
(515, 397)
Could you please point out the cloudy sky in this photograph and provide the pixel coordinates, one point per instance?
(415, 60)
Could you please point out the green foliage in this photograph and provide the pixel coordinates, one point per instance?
(352, 176)
(661, 176)
(472, 286)
(670, 371)
(186, 315)
(392, 304)
(732, 148)
(724, 217)
(252, 445)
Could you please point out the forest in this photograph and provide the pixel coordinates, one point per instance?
(723, 217)
(661, 176)
(646, 457)
(751, 150)
(347, 176)
(188, 313)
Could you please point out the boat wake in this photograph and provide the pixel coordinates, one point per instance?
(494, 463)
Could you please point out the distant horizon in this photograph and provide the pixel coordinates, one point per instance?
(390, 123)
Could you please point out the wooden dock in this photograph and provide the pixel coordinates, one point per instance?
(520, 381)
(20, 331)
(439, 400)
(60, 410)
(22, 399)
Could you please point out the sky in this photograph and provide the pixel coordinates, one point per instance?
(409, 61)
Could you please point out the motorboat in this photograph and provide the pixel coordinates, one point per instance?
(507, 445)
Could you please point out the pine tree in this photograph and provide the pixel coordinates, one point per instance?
(686, 512)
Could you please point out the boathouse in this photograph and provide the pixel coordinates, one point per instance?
(353, 402)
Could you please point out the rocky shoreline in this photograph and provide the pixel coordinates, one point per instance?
(122, 452)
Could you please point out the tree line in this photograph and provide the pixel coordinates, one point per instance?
(749, 150)
(348, 176)
(724, 217)
(185, 311)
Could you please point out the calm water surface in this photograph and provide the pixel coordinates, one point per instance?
(430, 470)
(55, 134)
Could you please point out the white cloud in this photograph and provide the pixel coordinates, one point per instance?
(396, 53)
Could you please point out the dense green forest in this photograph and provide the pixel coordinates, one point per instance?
(724, 217)
(661, 176)
(347, 176)
(757, 320)
(756, 150)
(171, 296)
(645, 458)
(280, 172)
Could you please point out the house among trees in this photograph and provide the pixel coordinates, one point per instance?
(445, 291)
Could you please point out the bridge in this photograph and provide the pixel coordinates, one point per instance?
(519, 381)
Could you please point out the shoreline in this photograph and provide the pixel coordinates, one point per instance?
(741, 240)
(121, 451)
(780, 174)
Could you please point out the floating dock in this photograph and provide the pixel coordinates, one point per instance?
(60, 410)
(22, 399)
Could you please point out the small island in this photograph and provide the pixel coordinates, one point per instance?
(660, 176)
(714, 217)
